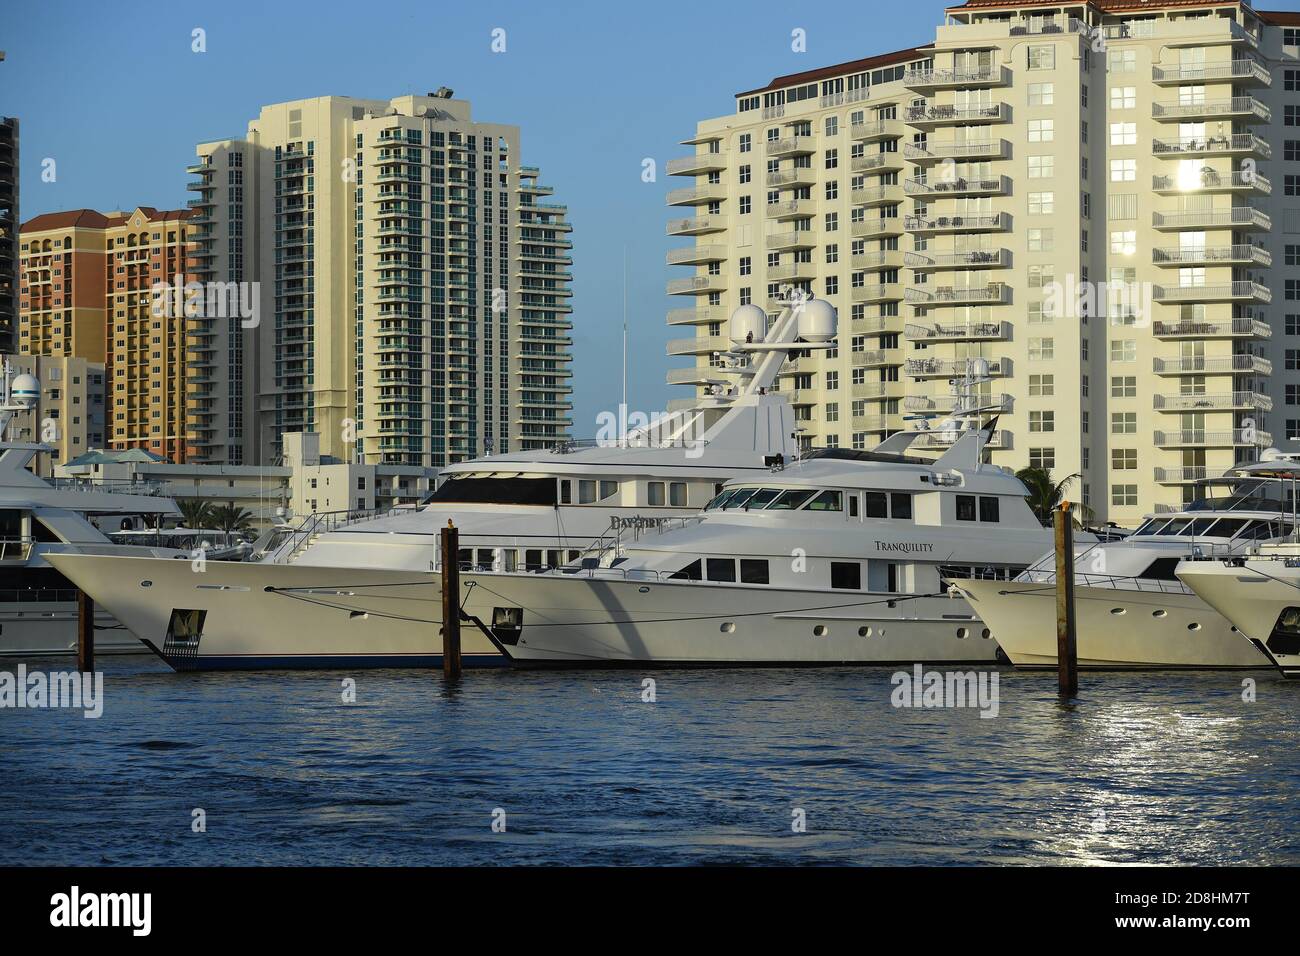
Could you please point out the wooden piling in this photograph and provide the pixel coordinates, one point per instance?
(1067, 647)
(85, 633)
(450, 602)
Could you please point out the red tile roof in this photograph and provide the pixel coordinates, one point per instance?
(842, 69)
(90, 219)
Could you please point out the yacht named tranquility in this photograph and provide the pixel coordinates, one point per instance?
(1131, 610)
(355, 593)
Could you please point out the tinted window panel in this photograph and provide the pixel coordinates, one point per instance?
(900, 505)
(722, 569)
(876, 506)
(965, 507)
(989, 509)
(753, 571)
(846, 575)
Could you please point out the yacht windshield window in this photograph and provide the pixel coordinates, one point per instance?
(826, 501)
(740, 497)
(1148, 526)
(692, 572)
(721, 569)
(761, 498)
(790, 500)
(1197, 528)
(1175, 526)
(753, 571)
(1226, 527)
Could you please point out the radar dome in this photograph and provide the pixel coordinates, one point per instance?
(25, 390)
(817, 321)
(980, 368)
(748, 323)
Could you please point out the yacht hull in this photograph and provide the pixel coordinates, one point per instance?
(1253, 597)
(49, 629)
(1157, 630)
(576, 621)
(264, 616)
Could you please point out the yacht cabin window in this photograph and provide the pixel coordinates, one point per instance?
(846, 575)
(987, 506)
(720, 569)
(655, 493)
(677, 494)
(790, 500)
(826, 501)
(753, 571)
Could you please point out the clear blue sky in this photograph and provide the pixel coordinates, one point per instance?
(112, 92)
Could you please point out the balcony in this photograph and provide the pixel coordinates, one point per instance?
(698, 375)
(697, 285)
(1213, 365)
(792, 178)
(697, 164)
(1186, 476)
(1236, 144)
(695, 316)
(1221, 329)
(791, 146)
(923, 80)
(699, 345)
(959, 332)
(696, 225)
(876, 358)
(696, 255)
(797, 239)
(876, 325)
(873, 196)
(1245, 71)
(876, 130)
(1212, 181)
(870, 423)
(935, 261)
(939, 189)
(1238, 255)
(951, 368)
(1229, 438)
(876, 391)
(697, 195)
(1238, 107)
(1239, 217)
(792, 209)
(997, 222)
(938, 151)
(877, 228)
(946, 403)
(876, 163)
(877, 260)
(792, 271)
(877, 292)
(1213, 401)
(1220, 292)
(993, 293)
(935, 115)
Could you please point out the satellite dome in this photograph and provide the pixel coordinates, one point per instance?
(817, 321)
(24, 389)
(748, 323)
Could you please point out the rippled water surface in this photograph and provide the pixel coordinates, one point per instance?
(1149, 768)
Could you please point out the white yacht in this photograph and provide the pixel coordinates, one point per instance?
(38, 518)
(1131, 611)
(840, 558)
(341, 592)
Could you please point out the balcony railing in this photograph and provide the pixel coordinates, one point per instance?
(989, 223)
(1210, 109)
(1212, 145)
(1213, 293)
(959, 332)
(961, 186)
(1239, 217)
(980, 259)
(1247, 70)
(1222, 365)
(1211, 180)
(940, 114)
(948, 368)
(991, 294)
(1213, 401)
(1227, 328)
(1199, 438)
(1240, 254)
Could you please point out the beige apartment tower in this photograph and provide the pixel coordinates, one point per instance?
(413, 289)
(1100, 199)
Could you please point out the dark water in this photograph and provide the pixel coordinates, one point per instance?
(1149, 768)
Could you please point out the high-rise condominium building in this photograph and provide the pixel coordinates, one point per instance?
(68, 414)
(951, 200)
(413, 288)
(8, 231)
(88, 291)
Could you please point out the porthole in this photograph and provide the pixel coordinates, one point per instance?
(728, 628)
(1160, 613)
(820, 630)
(864, 632)
(643, 590)
(986, 634)
(1193, 626)
(1117, 611)
(146, 584)
(962, 633)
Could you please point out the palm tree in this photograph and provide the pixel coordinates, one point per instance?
(1046, 494)
(195, 514)
(231, 518)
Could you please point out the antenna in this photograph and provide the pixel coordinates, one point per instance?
(625, 325)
